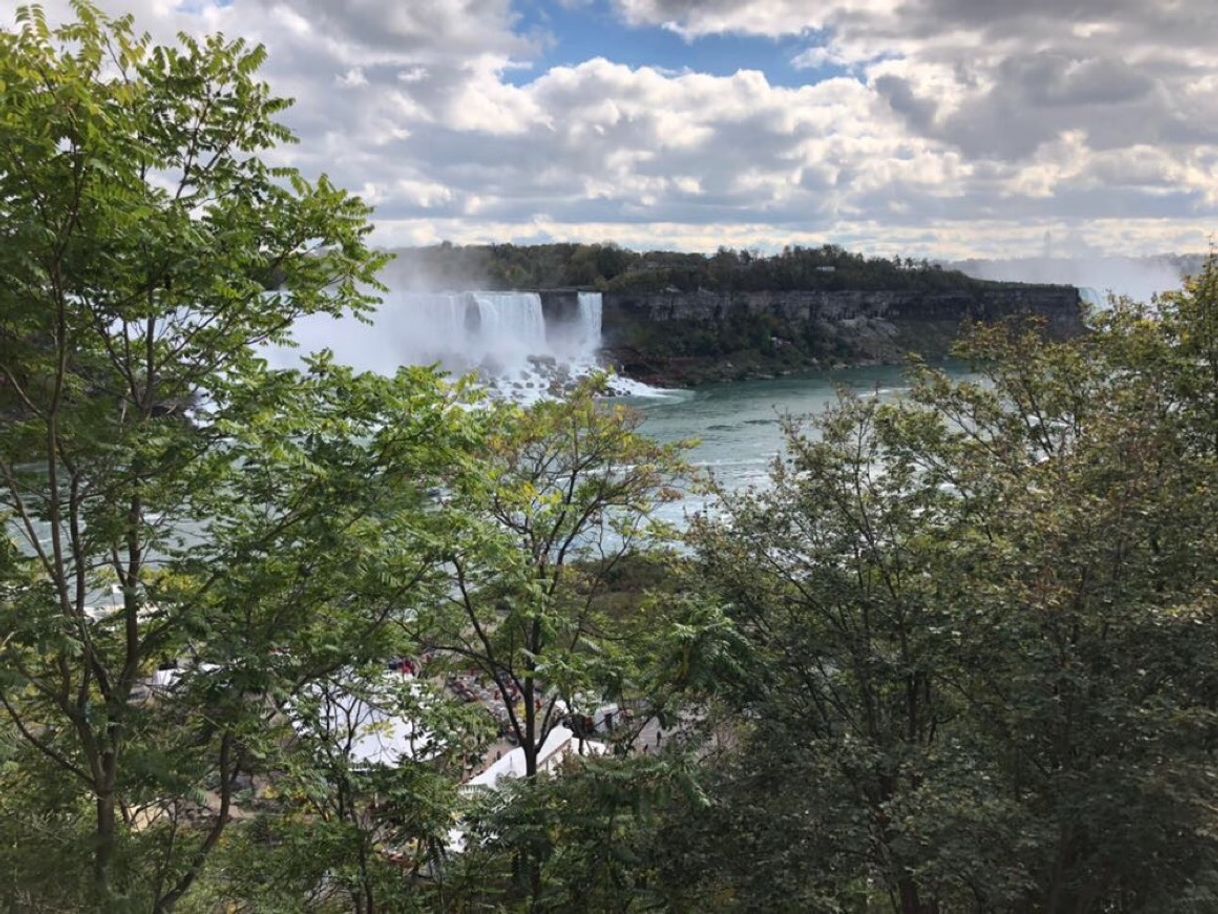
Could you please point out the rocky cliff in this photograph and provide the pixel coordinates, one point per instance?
(681, 338)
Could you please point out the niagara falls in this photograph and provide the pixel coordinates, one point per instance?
(505, 338)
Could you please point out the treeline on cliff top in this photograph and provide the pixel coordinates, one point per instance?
(611, 268)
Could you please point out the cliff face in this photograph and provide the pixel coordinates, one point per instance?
(680, 338)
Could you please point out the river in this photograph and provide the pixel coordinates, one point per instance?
(738, 425)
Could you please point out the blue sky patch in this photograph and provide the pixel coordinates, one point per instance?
(571, 35)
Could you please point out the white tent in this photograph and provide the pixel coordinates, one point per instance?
(558, 745)
(371, 728)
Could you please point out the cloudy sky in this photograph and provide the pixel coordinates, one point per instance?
(928, 127)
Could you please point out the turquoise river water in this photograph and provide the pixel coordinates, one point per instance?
(738, 425)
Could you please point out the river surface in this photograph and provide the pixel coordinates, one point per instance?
(738, 425)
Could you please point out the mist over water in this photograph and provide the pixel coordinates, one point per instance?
(1096, 277)
(579, 339)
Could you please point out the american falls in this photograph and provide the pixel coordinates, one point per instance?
(505, 338)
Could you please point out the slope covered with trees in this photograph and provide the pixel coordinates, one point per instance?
(961, 655)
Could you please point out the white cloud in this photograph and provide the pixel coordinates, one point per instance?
(352, 78)
(771, 18)
(960, 126)
(819, 56)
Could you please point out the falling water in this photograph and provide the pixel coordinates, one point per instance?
(503, 336)
(511, 326)
(1095, 299)
(590, 316)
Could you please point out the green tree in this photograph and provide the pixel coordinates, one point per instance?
(592, 830)
(565, 492)
(832, 576)
(980, 625)
(362, 811)
(167, 499)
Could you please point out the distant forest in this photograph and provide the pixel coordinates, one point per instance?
(610, 268)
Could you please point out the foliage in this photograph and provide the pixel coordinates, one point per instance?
(977, 617)
(565, 492)
(958, 656)
(591, 830)
(169, 501)
(614, 269)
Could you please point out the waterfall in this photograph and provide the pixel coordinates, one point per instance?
(510, 327)
(1093, 298)
(503, 336)
(590, 316)
(494, 331)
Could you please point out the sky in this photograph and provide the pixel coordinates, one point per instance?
(940, 128)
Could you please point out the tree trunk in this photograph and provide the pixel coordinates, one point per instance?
(531, 751)
(106, 837)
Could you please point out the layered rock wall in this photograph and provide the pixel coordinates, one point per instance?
(1060, 304)
(690, 337)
